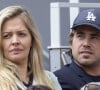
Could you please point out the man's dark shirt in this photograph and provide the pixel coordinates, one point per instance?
(72, 77)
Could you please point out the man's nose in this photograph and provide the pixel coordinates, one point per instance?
(86, 42)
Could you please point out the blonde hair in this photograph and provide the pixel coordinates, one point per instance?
(35, 56)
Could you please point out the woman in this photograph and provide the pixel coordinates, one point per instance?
(21, 53)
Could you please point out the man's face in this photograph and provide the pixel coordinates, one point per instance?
(86, 46)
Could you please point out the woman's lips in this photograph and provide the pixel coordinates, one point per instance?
(16, 50)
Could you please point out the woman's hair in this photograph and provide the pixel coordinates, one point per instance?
(35, 55)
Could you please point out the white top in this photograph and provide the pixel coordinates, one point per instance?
(54, 80)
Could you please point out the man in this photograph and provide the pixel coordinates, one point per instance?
(85, 53)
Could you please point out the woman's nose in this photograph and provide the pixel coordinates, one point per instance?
(15, 40)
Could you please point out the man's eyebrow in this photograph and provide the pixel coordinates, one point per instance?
(79, 32)
(95, 34)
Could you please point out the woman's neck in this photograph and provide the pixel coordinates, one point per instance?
(22, 69)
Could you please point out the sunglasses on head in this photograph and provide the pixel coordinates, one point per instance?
(92, 87)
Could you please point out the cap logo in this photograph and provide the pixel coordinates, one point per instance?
(91, 17)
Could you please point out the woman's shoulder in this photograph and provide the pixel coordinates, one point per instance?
(54, 79)
(50, 74)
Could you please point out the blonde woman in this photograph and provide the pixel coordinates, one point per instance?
(21, 52)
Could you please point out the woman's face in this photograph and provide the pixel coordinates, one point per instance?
(16, 40)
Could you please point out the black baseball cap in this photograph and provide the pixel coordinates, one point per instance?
(89, 17)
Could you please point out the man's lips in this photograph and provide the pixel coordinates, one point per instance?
(86, 52)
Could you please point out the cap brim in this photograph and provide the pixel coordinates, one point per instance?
(88, 24)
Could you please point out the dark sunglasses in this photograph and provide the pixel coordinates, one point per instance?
(92, 87)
